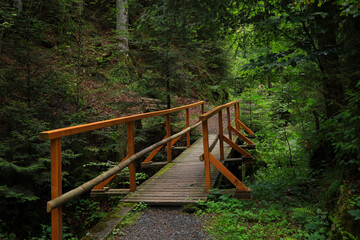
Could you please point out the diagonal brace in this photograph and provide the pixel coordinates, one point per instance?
(237, 183)
(237, 148)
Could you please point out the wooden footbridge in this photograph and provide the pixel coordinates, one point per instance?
(186, 179)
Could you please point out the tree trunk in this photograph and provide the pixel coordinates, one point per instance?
(122, 24)
(18, 4)
(325, 31)
(351, 34)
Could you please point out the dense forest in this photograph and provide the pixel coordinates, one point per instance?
(295, 64)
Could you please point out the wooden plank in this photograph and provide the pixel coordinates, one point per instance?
(180, 182)
(212, 146)
(243, 195)
(240, 160)
(153, 164)
(248, 146)
(110, 193)
(55, 203)
(179, 148)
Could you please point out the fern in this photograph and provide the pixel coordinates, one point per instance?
(19, 193)
(303, 212)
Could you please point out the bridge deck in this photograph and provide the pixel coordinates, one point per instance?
(179, 182)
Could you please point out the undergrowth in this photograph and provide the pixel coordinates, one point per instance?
(264, 219)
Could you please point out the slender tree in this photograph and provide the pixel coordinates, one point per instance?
(122, 17)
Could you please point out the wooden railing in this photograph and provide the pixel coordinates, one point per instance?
(209, 158)
(55, 136)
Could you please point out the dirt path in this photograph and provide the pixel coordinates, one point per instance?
(212, 122)
(165, 223)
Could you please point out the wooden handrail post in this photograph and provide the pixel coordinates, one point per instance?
(56, 188)
(168, 134)
(206, 154)
(187, 125)
(202, 108)
(131, 151)
(236, 109)
(229, 121)
(221, 139)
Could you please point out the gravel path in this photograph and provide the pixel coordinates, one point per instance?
(212, 122)
(165, 223)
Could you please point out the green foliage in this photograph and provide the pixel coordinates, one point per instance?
(139, 207)
(355, 205)
(83, 214)
(264, 219)
(46, 233)
(179, 52)
(347, 144)
(56, 55)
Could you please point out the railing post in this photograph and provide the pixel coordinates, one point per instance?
(202, 108)
(236, 109)
(221, 139)
(131, 151)
(168, 134)
(187, 125)
(206, 154)
(229, 122)
(56, 188)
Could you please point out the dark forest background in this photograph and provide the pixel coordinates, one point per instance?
(295, 65)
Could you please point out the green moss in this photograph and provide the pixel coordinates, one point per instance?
(191, 208)
(99, 227)
(87, 238)
(117, 213)
(130, 219)
(164, 169)
(344, 225)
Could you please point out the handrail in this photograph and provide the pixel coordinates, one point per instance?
(215, 110)
(56, 173)
(66, 197)
(63, 132)
(209, 158)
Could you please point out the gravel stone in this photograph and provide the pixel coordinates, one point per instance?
(158, 223)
